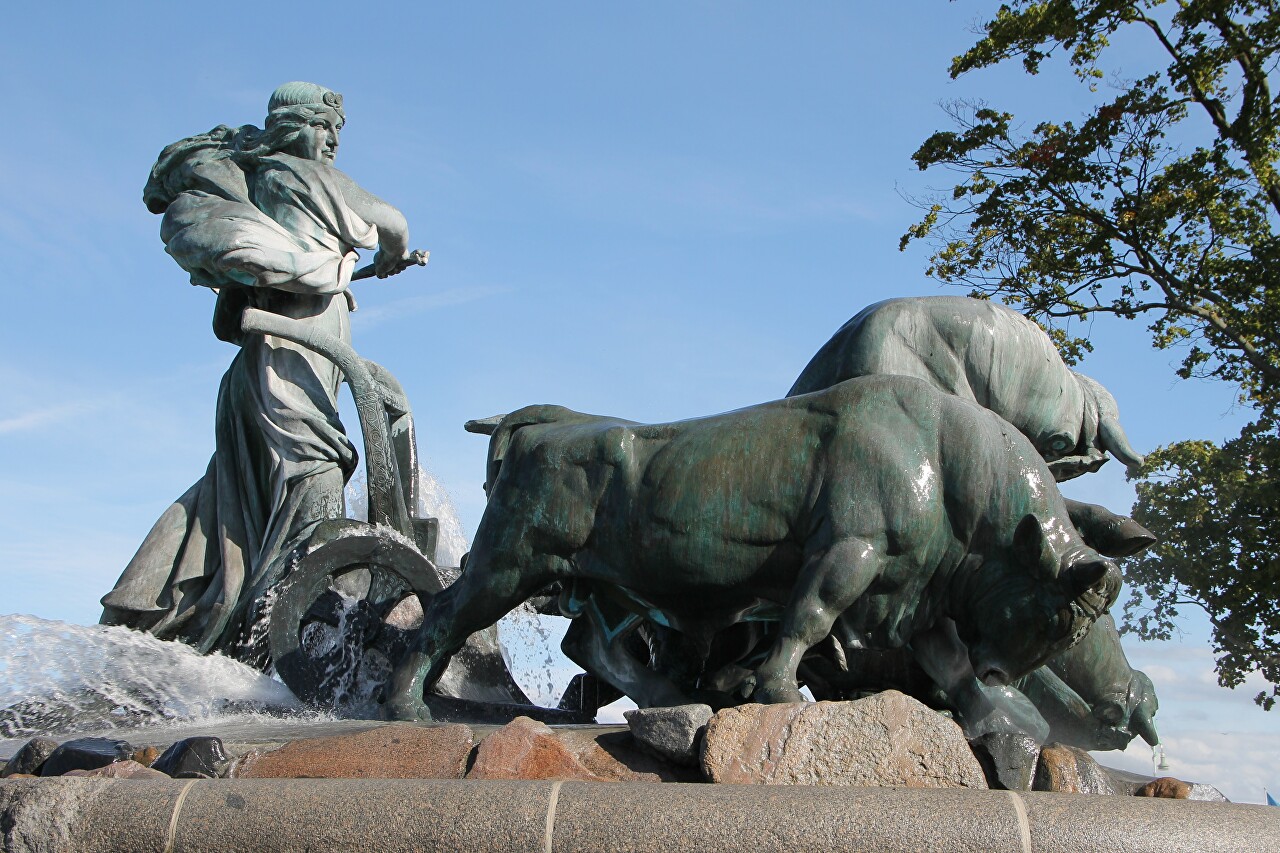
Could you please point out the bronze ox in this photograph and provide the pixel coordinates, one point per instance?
(988, 353)
(882, 501)
(985, 352)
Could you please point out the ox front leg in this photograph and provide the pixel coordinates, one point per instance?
(829, 582)
(596, 641)
(979, 709)
(488, 589)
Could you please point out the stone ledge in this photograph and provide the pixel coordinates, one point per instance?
(98, 815)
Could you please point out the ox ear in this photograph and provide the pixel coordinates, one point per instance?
(1031, 547)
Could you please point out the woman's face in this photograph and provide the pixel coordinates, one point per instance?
(318, 139)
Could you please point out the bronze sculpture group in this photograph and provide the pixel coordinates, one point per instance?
(894, 521)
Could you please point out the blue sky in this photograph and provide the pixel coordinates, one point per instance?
(654, 210)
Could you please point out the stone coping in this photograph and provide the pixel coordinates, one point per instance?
(391, 815)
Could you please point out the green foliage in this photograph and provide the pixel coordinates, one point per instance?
(1160, 204)
(1214, 510)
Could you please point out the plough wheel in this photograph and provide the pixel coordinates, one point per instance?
(346, 614)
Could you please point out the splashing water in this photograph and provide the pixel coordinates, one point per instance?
(530, 643)
(433, 502)
(56, 677)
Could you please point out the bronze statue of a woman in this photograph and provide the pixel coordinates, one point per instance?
(264, 219)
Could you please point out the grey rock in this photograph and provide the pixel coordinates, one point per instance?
(1008, 760)
(29, 759)
(193, 758)
(86, 753)
(886, 740)
(1206, 793)
(673, 733)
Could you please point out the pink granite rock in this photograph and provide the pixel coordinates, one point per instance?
(127, 769)
(387, 752)
(615, 756)
(887, 740)
(1165, 787)
(1069, 770)
(527, 749)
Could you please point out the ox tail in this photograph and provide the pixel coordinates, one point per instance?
(501, 429)
(484, 426)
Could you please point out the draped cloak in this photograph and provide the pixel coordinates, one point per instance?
(279, 237)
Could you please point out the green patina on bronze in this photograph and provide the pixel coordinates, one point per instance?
(880, 501)
(964, 347)
(263, 219)
(802, 541)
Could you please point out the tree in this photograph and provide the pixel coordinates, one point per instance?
(1160, 204)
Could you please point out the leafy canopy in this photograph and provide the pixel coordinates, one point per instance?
(1161, 205)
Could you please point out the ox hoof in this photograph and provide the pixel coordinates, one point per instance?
(408, 710)
(777, 695)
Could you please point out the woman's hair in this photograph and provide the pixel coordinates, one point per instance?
(175, 170)
(284, 124)
(291, 108)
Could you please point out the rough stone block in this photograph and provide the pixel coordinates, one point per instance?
(126, 769)
(29, 759)
(674, 733)
(1008, 760)
(193, 758)
(886, 740)
(147, 755)
(614, 755)
(527, 749)
(1066, 769)
(1165, 787)
(86, 753)
(386, 752)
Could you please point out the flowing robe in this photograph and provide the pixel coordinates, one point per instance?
(280, 238)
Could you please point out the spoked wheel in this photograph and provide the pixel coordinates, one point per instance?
(346, 614)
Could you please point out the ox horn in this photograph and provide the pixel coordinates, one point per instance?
(1083, 577)
(1143, 726)
(1113, 439)
(1142, 696)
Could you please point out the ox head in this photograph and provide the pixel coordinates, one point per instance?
(1119, 718)
(1085, 451)
(1034, 601)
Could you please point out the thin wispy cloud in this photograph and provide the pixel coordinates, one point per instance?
(1211, 735)
(367, 318)
(43, 417)
(727, 200)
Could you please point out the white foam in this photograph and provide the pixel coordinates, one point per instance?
(433, 502)
(56, 677)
